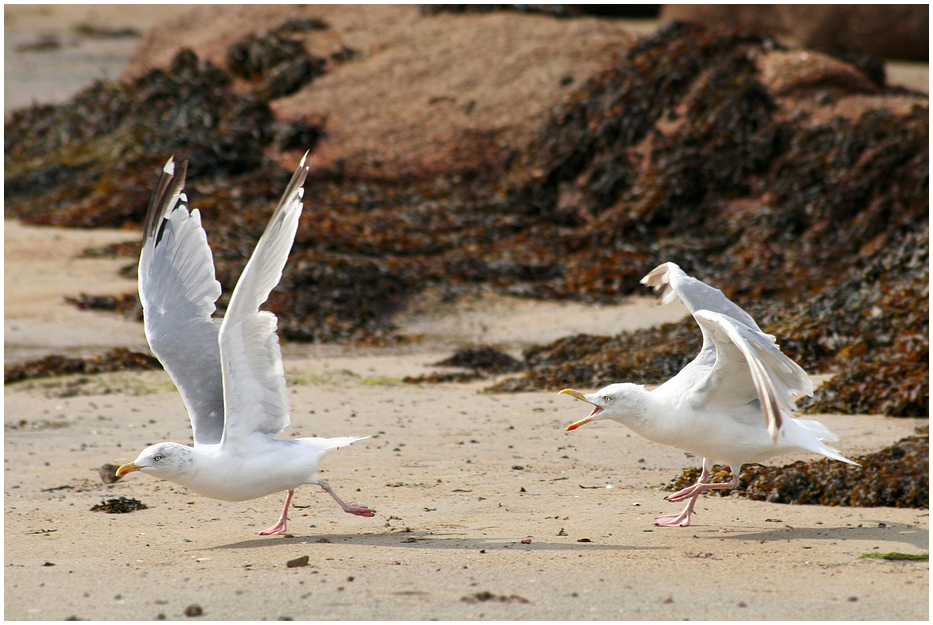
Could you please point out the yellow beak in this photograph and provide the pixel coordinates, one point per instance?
(581, 397)
(126, 468)
(573, 393)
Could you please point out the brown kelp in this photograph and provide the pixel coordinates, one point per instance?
(791, 180)
(897, 476)
(117, 359)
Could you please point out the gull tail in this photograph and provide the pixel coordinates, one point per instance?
(343, 441)
(323, 446)
(817, 435)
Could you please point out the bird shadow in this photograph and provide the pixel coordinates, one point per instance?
(867, 530)
(431, 540)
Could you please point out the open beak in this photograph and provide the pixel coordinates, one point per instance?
(127, 468)
(581, 397)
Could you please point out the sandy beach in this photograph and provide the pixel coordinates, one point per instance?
(486, 508)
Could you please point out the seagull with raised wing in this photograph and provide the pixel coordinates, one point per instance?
(229, 371)
(731, 403)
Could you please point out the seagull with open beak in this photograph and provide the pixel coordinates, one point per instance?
(731, 403)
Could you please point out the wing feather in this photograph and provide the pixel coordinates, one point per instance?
(735, 352)
(253, 377)
(177, 289)
(670, 282)
(751, 365)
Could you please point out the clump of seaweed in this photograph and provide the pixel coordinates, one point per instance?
(275, 64)
(481, 362)
(585, 360)
(897, 476)
(120, 505)
(872, 330)
(481, 358)
(117, 359)
(445, 377)
(126, 303)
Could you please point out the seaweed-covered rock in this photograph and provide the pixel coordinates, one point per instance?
(686, 151)
(813, 216)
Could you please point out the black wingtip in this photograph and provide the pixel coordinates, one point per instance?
(296, 183)
(170, 184)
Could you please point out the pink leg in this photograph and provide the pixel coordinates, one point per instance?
(677, 520)
(279, 527)
(693, 492)
(350, 508)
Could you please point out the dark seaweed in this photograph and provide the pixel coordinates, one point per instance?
(121, 505)
(897, 476)
(481, 361)
(481, 358)
(675, 152)
(117, 359)
(276, 65)
(126, 303)
(91, 161)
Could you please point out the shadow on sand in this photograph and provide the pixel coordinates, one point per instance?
(430, 540)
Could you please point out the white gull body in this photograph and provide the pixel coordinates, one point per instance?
(229, 372)
(730, 404)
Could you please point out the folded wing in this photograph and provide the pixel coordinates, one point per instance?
(748, 364)
(253, 377)
(177, 289)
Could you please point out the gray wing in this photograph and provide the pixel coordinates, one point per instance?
(177, 289)
(253, 377)
(749, 365)
(737, 363)
(669, 281)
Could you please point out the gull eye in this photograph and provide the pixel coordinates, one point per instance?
(608, 399)
(157, 457)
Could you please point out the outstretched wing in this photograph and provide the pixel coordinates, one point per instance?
(177, 289)
(253, 377)
(669, 281)
(749, 365)
(737, 360)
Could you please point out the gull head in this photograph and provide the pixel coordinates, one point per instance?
(620, 402)
(165, 460)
